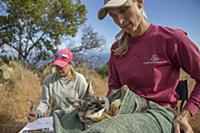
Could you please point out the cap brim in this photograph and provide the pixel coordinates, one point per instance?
(111, 4)
(60, 63)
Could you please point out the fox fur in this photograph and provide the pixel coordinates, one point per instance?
(92, 108)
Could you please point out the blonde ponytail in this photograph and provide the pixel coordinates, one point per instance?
(123, 43)
(73, 72)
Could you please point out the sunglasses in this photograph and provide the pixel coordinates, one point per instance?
(61, 55)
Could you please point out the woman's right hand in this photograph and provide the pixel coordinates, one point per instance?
(181, 123)
(32, 116)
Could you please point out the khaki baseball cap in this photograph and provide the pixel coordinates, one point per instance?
(109, 4)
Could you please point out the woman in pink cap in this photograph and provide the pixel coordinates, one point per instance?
(147, 58)
(66, 82)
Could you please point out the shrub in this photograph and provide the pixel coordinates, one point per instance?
(103, 71)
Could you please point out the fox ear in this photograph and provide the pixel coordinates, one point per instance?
(90, 89)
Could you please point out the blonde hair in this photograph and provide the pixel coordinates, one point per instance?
(123, 38)
(73, 72)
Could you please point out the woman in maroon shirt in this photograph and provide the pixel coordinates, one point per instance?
(147, 58)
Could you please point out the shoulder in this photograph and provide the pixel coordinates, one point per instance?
(114, 46)
(79, 76)
(169, 33)
(50, 78)
(80, 79)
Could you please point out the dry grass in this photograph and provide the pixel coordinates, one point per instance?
(25, 87)
(100, 85)
(195, 122)
(16, 98)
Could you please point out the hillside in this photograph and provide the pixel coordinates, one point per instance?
(22, 87)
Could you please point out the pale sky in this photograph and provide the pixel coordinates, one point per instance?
(183, 14)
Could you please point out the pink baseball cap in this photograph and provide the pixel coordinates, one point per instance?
(63, 57)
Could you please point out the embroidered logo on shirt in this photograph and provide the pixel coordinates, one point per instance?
(155, 60)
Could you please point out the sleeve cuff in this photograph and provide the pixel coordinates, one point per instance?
(39, 114)
(191, 107)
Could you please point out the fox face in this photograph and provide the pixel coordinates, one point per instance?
(89, 104)
(90, 107)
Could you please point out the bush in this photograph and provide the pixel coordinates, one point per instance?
(103, 71)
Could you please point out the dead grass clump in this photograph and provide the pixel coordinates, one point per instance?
(15, 101)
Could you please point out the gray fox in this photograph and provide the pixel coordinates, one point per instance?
(92, 108)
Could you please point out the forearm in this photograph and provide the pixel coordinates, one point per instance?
(193, 103)
(42, 108)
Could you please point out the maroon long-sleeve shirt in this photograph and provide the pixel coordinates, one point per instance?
(151, 67)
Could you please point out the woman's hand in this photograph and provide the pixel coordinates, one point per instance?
(32, 116)
(181, 123)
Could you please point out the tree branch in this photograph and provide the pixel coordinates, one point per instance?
(35, 43)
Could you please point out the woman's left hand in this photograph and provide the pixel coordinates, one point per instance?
(181, 123)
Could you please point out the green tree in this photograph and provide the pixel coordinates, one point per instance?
(32, 28)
